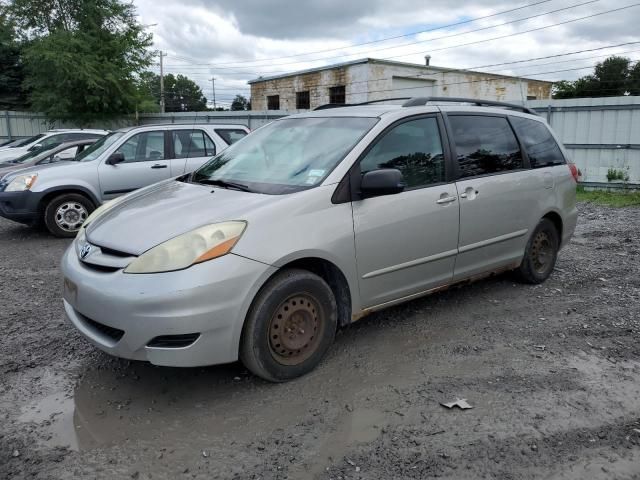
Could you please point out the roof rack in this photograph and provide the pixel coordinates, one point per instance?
(340, 105)
(420, 101)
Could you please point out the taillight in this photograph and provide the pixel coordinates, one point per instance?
(575, 173)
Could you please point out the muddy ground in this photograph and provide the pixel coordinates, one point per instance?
(552, 372)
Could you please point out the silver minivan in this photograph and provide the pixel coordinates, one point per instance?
(62, 195)
(314, 221)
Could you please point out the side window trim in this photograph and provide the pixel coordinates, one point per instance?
(454, 153)
(348, 190)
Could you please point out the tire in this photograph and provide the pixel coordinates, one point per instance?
(294, 299)
(64, 214)
(541, 253)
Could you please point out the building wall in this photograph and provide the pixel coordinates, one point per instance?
(376, 81)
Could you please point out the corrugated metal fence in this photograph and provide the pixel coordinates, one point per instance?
(600, 133)
(26, 124)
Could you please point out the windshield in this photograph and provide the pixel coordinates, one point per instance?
(96, 149)
(34, 153)
(26, 141)
(287, 155)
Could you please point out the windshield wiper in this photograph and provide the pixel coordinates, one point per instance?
(224, 184)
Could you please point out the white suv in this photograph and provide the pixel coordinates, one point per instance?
(14, 150)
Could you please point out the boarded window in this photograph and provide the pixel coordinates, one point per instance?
(273, 102)
(302, 100)
(336, 94)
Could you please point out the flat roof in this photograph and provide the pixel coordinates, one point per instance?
(387, 62)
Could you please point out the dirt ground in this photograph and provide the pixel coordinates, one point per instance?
(552, 372)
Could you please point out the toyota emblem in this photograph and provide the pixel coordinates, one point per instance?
(85, 250)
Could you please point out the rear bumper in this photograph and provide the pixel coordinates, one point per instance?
(569, 226)
(22, 207)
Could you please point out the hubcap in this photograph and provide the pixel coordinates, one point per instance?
(295, 329)
(541, 252)
(70, 216)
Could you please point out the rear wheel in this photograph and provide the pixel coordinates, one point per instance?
(541, 253)
(65, 214)
(290, 326)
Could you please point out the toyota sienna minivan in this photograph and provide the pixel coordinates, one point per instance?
(312, 222)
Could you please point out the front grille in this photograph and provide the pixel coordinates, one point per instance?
(113, 333)
(173, 341)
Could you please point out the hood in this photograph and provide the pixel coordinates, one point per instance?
(11, 153)
(152, 215)
(15, 169)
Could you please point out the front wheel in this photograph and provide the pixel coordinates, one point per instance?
(290, 326)
(541, 253)
(65, 214)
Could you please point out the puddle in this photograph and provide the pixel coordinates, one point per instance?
(54, 413)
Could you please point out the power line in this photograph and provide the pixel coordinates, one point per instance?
(442, 27)
(253, 65)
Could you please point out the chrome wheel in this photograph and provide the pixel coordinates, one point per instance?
(70, 216)
(542, 253)
(295, 329)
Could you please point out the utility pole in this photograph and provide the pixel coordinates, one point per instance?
(162, 55)
(213, 84)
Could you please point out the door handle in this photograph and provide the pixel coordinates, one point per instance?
(469, 193)
(446, 200)
(157, 165)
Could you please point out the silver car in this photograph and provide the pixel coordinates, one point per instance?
(54, 153)
(62, 195)
(314, 221)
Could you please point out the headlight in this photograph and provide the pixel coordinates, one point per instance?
(199, 245)
(81, 239)
(21, 183)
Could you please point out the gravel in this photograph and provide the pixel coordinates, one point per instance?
(552, 372)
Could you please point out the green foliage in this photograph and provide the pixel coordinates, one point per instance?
(613, 77)
(615, 174)
(12, 95)
(240, 102)
(82, 57)
(181, 93)
(612, 199)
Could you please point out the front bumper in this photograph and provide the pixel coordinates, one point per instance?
(22, 207)
(211, 299)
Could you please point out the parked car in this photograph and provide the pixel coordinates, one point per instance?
(314, 221)
(56, 152)
(17, 149)
(63, 195)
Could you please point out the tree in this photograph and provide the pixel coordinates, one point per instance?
(240, 103)
(12, 95)
(82, 57)
(612, 77)
(181, 94)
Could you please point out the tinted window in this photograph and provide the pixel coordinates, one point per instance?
(538, 141)
(192, 144)
(484, 145)
(412, 147)
(143, 147)
(27, 141)
(231, 135)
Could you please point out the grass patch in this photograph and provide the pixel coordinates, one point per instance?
(612, 199)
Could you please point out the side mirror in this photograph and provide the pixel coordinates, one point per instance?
(386, 181)
(115, 158)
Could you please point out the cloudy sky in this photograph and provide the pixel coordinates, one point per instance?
(238, 40)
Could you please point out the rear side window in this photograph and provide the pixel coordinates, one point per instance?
(484, 145)
(414, 148)
(541, 147)
(231, 135)
(192, 144)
